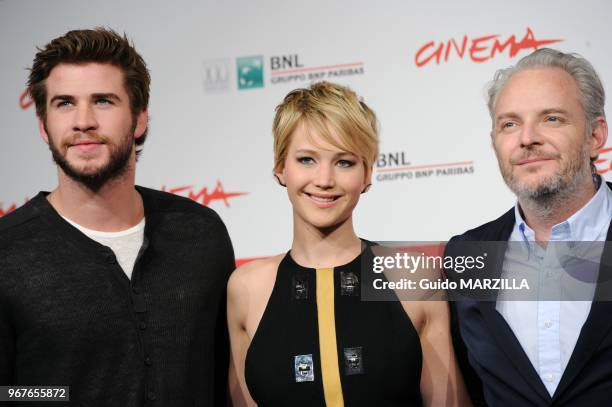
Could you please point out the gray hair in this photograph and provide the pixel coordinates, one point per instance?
(591, 90)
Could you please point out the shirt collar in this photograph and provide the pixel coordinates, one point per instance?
(586, 224)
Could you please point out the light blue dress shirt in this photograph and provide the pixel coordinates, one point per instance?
(548, 330)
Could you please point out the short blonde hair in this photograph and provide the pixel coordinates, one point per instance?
(326, 105)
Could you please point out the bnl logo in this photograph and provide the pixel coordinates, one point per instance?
(250, 72)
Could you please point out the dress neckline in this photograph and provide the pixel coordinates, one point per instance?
(350, 265)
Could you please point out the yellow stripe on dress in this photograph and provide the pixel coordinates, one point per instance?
(330, 371)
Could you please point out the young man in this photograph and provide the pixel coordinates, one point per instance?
(112, 289)
(548, 127)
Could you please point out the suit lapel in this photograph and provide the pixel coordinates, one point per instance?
(507, 342)
(597, 325)
(497, 325)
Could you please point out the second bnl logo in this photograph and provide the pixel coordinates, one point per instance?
(250, 72)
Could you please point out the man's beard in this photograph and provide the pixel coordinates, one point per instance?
(555, 188)
(119, 156)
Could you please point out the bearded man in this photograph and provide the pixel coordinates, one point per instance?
(112, 289)
(548, 125)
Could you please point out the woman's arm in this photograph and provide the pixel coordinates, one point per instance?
(237, 311)
(441, 380)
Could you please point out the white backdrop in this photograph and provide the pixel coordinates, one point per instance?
(207, 131)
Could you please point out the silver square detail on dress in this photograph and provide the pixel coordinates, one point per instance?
(304, 369)
(300, 287)
(353, 360)
(349, 283)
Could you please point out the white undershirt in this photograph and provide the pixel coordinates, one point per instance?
(125, 243)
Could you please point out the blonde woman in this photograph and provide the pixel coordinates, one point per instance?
(300, 335)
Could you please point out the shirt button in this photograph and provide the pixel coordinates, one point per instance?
(548, 324)
(142, 325)
(148, 361)
(110, 258)
(136, 290)
(550, 274)
(550, 377)
(151, 396)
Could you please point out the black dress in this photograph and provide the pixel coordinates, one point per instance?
(372, 353)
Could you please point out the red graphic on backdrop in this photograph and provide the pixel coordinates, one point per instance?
(204, 196)
(479, 49)
(7, 210)
(25, 101)
(240, 262)
(604, 165)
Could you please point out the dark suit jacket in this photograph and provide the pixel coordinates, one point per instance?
(495, 367)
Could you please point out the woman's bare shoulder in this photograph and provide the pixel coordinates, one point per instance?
(254, 273)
